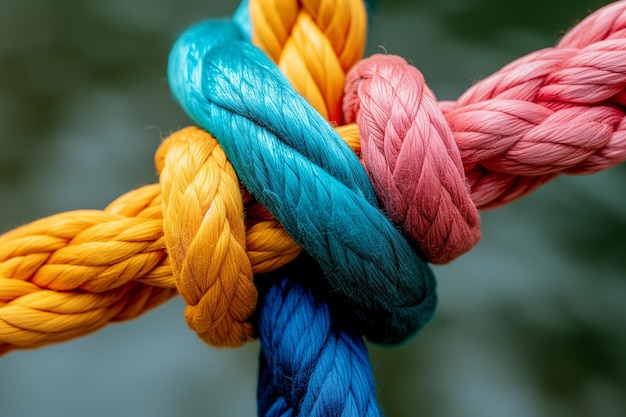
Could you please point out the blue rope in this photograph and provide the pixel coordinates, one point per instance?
(297, 166)
(311, 363)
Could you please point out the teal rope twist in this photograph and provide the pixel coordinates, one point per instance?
(297, 166)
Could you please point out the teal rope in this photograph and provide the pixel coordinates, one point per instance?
(296, 165)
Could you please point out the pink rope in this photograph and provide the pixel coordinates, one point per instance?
(557, 110)
(409, 153)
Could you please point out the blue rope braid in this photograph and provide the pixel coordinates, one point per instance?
(297, 166)
(311, 363)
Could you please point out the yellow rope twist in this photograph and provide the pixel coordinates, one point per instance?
(205, 237)
(197, 233)
(314, 42)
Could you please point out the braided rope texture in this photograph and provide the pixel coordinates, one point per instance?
(559, 110)
(69, 274)
(312, 362)
(296, 165)
(294, 375)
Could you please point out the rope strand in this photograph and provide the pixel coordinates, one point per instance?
(115, 264)
(303, 372)
(558, 110)
(313, 184)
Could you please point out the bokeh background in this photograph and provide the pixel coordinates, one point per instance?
(530, 323)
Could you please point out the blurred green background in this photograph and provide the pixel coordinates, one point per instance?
(530, 323)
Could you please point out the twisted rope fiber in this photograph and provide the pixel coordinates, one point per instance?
(312, 362)
(557, 110)
(206, 243)
(314, 44)
(614, 99)
(70, 274)
(310, 365)
(313, 184)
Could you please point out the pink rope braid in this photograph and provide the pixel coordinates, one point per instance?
(557, 110)
(409, 153)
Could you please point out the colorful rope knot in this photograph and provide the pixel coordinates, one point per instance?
(280, 171)
(296, 165)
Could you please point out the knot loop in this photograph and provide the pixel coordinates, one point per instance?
(72, 273)
(206, 238)
(297, 166)
(558, 110)
(409, 153)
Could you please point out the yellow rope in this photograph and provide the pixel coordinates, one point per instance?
(197, 233)
(69, 274)
(314, 42)
(206, 238)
